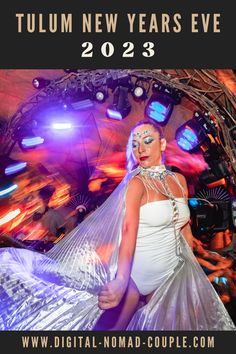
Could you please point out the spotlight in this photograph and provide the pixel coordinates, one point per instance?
(62, 126)
(139, 93)
(26, 138)
(6, 188)
(191, 134)
(161, 103)
(30, 142)
(82, 104)
(121, 106)
(40, 82)
(9, 216)
(9, 166)
(159, 108)
(100, 96)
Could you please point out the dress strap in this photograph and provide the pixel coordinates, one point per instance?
(145, 186)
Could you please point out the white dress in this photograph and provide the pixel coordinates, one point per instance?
(155, 257)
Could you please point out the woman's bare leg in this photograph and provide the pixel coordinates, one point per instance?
(119, 317)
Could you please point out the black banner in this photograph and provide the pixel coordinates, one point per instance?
(117, 34)
(118, 342)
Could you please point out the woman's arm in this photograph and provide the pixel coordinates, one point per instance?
(187, 233)
(112, 293)
(186, 229)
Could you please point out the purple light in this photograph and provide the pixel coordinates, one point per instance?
(82, 104)
(62, 126)
(31, 142)
(14, 168)
(114, 114)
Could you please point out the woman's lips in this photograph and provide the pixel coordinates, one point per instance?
(143, 158)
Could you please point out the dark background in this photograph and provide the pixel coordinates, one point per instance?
(173, 50)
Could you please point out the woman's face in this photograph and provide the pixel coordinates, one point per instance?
(147, 146)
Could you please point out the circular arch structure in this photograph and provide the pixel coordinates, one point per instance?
(200, 86)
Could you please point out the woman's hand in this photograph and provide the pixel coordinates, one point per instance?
(111, 294)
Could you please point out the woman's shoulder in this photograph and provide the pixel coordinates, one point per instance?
(135, 193)
(182, 181)
(136, 181)
(180, 177)
(136, 185)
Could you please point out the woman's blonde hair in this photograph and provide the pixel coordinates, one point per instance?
(131, 161)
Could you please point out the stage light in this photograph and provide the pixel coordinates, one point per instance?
(159, 108)
(114, 114)
(121, 106)
(31, 142)
(40, 82)
(162, 102)
(100, 96)
(194, 202)
(190, 135)
(9, 216)
(139, 93)
(6, 188)
(62, 126)
(82, 104)
(27, 139)
(9, 166)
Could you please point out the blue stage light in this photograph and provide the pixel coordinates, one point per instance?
(15, 167)
(158, 111)
(121, 106)
(187, 139)
(9, 166)
(114, 114)
(190, 135)
(162, 102)
(7, 188)
(159, 108)
(194, 202)
(31, 142)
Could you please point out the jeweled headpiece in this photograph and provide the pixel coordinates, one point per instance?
(139, 134)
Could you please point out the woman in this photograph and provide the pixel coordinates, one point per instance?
(145, 147)
(133, 245)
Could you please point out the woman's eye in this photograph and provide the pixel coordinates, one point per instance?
(134, 145)
(148, 140)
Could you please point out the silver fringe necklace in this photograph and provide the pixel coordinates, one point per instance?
(159, 173)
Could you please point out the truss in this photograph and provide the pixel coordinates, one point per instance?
(200, 86)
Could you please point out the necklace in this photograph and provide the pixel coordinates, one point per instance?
(159, 173)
